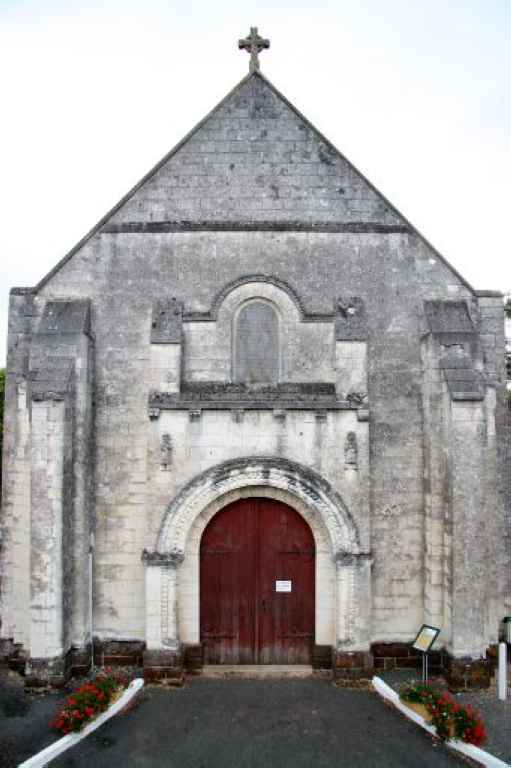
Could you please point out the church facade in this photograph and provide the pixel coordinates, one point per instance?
(254, 417)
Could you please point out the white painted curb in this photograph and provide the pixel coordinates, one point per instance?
(56, 749)
(479, 755)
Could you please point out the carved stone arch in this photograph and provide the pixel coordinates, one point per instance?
(272, 472)
(343, 596)
(256, 279)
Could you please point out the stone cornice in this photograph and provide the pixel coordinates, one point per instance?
(284, 396)
(155, 227)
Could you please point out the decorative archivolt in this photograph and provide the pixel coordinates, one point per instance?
(317, 501)
(256, 283)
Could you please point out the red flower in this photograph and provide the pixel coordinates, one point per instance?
(89, 711)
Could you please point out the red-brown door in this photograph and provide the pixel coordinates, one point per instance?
(257, 564)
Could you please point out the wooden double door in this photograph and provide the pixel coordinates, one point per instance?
(257, 574)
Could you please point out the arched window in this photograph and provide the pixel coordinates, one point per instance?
(256, 344)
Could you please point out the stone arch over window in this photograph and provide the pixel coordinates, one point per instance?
(256, 343)
(240, 300)
(303, 345)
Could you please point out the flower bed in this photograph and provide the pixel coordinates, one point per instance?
(88, 701)
(450, 719)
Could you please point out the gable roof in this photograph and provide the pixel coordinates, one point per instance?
(254, 162)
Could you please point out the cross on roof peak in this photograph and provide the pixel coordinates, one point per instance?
(253, 44)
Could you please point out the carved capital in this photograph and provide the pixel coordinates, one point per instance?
(167, 322)
(163, 559)
(350, 319)
(166, 451)
(357, 399)
(351, 451)
(346, 559)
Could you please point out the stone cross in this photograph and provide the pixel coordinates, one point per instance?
(253, 44)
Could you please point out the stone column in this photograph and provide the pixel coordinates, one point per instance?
(352, 660)
(461, 502)
(471, 519)
(163, 658)
(50, 546)
(61, 377)
(345, 590)
(15, 503)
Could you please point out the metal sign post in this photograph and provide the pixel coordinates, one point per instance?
(424, 666)
(423, 643)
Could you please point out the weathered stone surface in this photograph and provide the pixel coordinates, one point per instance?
(463, 380)
(255, 159)
(467, 673)
(65, 317)
(322, 657)
(352, 669)
(193, 658)
(449, 317)
(116, 653)
(350, 319)
(53, 379)
(167, 322)
(257, 347)
(164, 667)
(51, 672)
(256, 209)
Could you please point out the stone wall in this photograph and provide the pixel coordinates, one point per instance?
(319, 268)
(47, 501)
(255, 158)
(255, 205)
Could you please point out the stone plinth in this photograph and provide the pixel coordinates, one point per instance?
(466, 673)
(164, 666)
(48, 673)
(352, 668)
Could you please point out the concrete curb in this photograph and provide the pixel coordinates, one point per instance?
(60, 746)
(475, 753)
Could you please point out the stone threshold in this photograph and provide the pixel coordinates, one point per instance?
(257, 671)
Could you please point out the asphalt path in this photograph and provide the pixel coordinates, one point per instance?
(256, 724)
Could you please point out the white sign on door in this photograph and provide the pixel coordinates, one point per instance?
(282, 586)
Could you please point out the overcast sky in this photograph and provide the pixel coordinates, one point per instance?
(415, 94)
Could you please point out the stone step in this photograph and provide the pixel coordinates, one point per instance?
(257, 671)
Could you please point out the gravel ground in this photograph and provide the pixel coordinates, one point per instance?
(496, 714)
